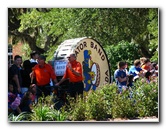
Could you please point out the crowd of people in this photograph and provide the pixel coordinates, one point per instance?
(31, 79)
(142, 68)
(21, 90)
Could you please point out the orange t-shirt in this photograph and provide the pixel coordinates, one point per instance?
(43, 74)
(76, 66)
(145, 67)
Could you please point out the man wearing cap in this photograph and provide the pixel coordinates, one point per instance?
(74, 74)
(34, 57)
(43, 72)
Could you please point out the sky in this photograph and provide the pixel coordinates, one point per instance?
(5, 4)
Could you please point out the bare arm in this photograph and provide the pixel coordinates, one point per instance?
(55, 81)
(62, 80)
(122, 79)
(18, 110)
(30, 106)
(31, 74)
(75, 72)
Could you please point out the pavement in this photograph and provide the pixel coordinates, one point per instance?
(144, 120)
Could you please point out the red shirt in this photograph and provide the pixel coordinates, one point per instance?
(76, 66)
(146, 67)
(43, 74)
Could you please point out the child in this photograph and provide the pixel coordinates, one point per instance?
(13, 101)
(26, 102)
(146, 66)
(154, 69)
(32, 89)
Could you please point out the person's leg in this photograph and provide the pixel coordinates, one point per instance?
(72, 90)
(79, 87)
(39, 92)
(42, 91)
(119, 89)
(46, 91)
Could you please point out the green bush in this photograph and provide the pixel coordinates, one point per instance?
(146, 96)
(110, 92)
(124, 106)
(99, 105)
(21, 117)
(77, 109)
(43, 111)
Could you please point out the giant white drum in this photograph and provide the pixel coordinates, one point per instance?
(91, 55)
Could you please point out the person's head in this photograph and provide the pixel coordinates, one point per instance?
(27, 95)
(18, 60)
(153, 64)
(26, 64)
(147, 62)
(41, 59)
(10, 88)
(130, 78)
(34, 55)
(72, 57)
(142, 59)
(137, 63)
(121, 65)
(148, 75)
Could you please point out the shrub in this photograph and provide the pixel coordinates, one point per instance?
(141, 101)
(146, 95)
(43, 111)
(97, 105)
(77, 109)
(124, 106)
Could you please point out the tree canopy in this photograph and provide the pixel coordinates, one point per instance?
(45, 28)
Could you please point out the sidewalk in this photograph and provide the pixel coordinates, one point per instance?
(144, 120)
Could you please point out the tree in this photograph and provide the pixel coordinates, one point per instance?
(29, 33)
(110, 26)
(123, 51)
(45, 28)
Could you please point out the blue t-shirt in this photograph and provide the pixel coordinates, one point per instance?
(122, 74)
(133, 70)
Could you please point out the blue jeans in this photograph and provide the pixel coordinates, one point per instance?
(121, 88)
(24, 89)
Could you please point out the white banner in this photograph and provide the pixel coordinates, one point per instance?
(60, 67)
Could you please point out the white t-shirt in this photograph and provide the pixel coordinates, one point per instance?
(32, 61)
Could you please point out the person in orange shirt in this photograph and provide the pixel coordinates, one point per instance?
(74, 74)
(43, 72)
(146, 66)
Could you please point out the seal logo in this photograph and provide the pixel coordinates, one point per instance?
(94, 63)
